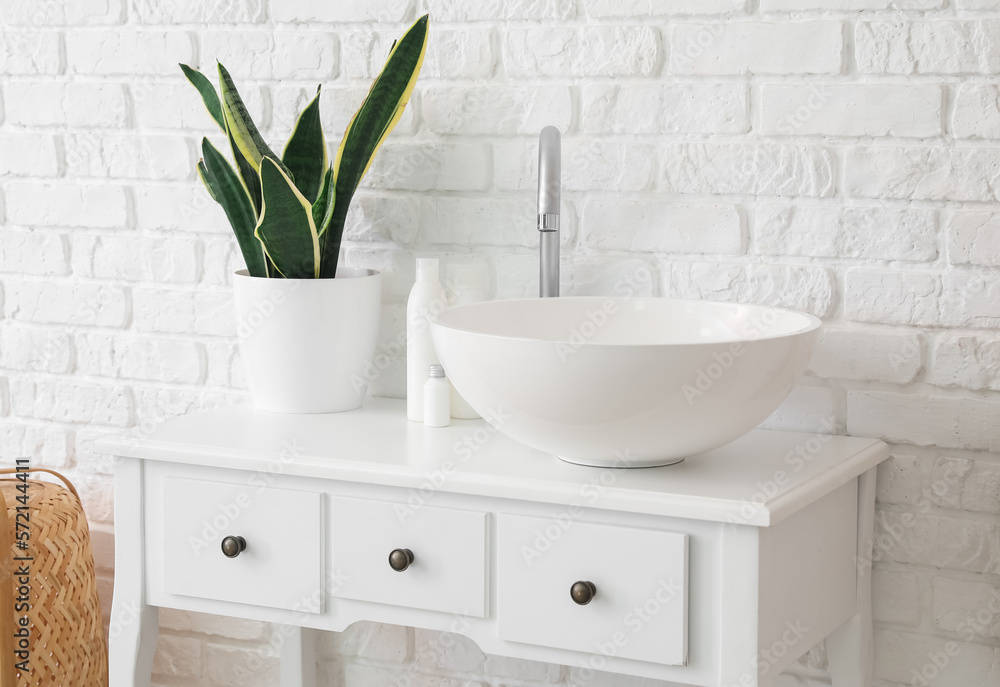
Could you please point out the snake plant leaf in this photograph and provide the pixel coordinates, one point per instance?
(228, 190)
(208, 94)
(322, 209)
(286, 226)
(203, 175)
(305, 153)
(377, 116)
(241, 127)
(249, 176)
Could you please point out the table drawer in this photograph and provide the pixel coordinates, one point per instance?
(449, 547)
(639, 608)
(282, 564)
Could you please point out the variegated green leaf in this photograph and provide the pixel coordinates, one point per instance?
(241, 127)
(227, 189)
(305, 153)
(249, 176)
(378, 114)
(208, 95)
(286, 226)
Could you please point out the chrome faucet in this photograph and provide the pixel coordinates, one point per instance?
(549, 172)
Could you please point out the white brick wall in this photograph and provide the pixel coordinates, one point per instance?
(836, 156)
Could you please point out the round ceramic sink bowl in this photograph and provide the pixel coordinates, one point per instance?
(623, 382)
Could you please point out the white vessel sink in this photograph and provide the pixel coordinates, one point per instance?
(622, 382)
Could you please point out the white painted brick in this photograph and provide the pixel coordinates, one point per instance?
(924, 419)
(593, 51)
(902, 656)
(654, 109)
(309, 11)
(127, 52)
(23, 154)
(902, 479)
(96, 496)
(851, 110)
(965, 606)
(66, 302)
(198, 11)
(946, 481)
(447, 651)
(458, 54)
(807, 409)
(124, 357)
(981, 490)
(496, 109)
(87, 12)
(660, 8)
(45, 446)
(811, 47)
(97, 154)
(589, 276)
(939, 47)
(134, 258)
(30, 52)
(361, 674)
(424, 166)
(398, 269)
(868, 355)
(186, 208)
(272, 54)
(99, 206)
(768, 170)
(204, 623)
(90, 462)
(220, 259)
(976, 113)
(219, 361)
(923, 173)
(155, 404)
(500, 10)
(646, 226)
(598, 165)
(497, 221)
(363, 53)
(799, 287)
(177, 657)
(895, 597)
(970, 361)
(939, 541)
(369, 640)
(974, 238)
(846, 5)
(62, 401)
(977, 4)
(33, 252)
(170, 311)
(232, 666)
(871, 232)
(162, 105)
(922, 298)
(377, 219)
(77, 104)
(35, 349)
(523, 669)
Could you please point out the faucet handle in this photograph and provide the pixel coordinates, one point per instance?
(549, 178)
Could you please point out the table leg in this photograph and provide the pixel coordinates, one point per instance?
(134, 626)
(850, 648)
(298, 657)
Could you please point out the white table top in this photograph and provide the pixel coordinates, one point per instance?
(759, 479)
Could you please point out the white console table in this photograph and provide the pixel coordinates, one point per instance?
(718, 571)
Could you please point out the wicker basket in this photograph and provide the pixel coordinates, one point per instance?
(67, 646)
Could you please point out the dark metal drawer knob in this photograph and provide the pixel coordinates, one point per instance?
(233, 546)
(400, 559)
(582, 592)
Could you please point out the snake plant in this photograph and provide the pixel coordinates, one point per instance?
(288, 211)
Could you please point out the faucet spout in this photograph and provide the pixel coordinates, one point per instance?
(549, 197)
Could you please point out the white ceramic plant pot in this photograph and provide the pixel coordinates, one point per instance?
(305, 342)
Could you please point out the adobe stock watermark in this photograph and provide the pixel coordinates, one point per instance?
(819, 96)
(981, 623)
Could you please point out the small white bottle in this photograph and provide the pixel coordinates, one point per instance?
(437, 398)
(427, 298)
(468, 282)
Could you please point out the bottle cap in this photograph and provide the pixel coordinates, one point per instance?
(436, 371)
(427, 269)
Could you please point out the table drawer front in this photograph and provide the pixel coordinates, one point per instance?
(639, 610)
(282, 565)
(449, 547)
